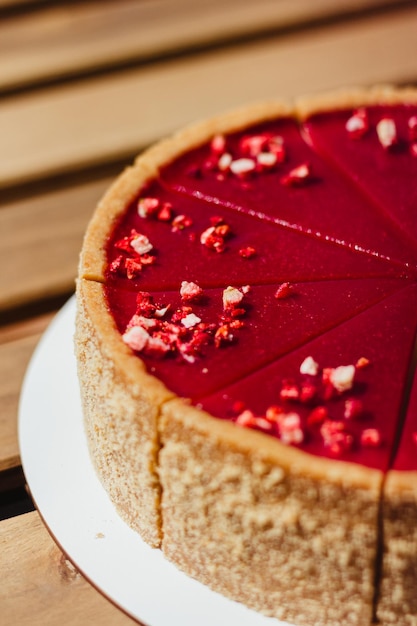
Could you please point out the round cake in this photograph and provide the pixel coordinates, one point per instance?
(245, 338)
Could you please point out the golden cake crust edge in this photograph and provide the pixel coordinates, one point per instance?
(121, 405)
(290, 536)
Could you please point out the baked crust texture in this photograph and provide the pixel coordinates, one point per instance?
(121, 406)
(398, 594)
(258, 527)
(290, 535)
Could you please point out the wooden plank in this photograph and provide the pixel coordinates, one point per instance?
(110, 117)
(40, 240)
(41, 586)
(6, 4)
(14, 358)
(66, 39)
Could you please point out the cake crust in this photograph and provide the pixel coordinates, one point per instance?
(121, 405)
(353, 98)
(226, 504)
(290, 536)
(399, 558)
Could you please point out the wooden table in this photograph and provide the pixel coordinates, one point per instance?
(83, 87)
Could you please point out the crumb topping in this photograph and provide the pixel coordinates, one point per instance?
(319, 390)
(160, 330)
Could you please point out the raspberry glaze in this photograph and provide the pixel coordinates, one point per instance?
(315, 216)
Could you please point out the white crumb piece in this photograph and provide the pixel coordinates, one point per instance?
(190, 290)
(242, 166)
(231, 297)
(309, 366)
(224, 162)
(342, 377)
(387, 132)
(136, 338)
(190, 320)
(141, 244)
(267, 159)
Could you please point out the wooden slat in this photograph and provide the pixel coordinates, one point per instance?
(40, 240)
(77, 125)
(6, 4)
(41, 586)
(66, 39)
(14, 358)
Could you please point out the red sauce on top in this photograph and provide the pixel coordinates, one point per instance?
(270, 276)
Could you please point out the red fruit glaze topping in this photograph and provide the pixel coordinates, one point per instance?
(309, 342)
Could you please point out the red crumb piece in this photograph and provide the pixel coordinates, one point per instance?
(249, 420)
(258, 146)
(238, 407)
(253, 145)
(199, 340)
(148, 207)
(289, 390)
(158, 345)
(181, 313)
(147, 259)
(274, 413)
(358, 124)
(413, 149)
(218, 144)
(371, 438)
(223, 230)
(362, 362)
(165, 213)
(308, 391)
(124, 244)
(290, 429)
(317, 416)
(335, 437)
(223, 336)
(263, 424)
(214, 237)
(117, 266)
(216, 220)
(247, 253)
(283, 291)
(412, 128)
(277, 147)
(180, 222)
(144, 304)
(353, 408)
(133, 268)
(246, 418)
(298, 176)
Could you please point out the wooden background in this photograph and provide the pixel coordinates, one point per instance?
(84, 86)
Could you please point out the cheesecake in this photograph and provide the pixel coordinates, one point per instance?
(245, 340)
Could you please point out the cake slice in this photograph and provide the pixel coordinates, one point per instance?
(376, 131)
(290, 525)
